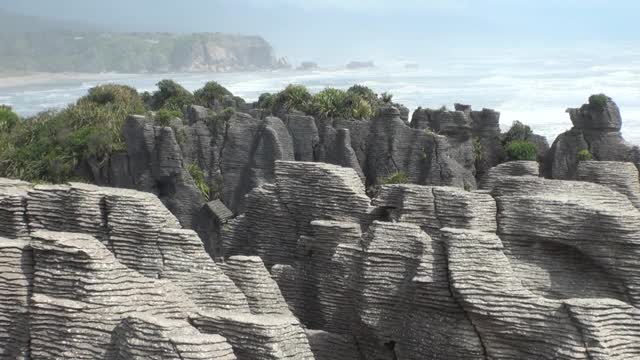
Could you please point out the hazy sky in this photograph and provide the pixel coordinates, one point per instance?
(337, 30)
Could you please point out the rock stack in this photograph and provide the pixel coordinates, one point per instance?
(596, 129)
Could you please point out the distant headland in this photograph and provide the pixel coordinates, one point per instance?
(34, 45)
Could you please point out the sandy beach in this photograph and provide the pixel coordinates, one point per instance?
(13, 81)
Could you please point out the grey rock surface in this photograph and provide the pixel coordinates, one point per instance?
(617, 176)
(90, 272)
(312, 267)
(425, 157)
(236, 153)
(530, 268)
(511, 168)
(596, 130)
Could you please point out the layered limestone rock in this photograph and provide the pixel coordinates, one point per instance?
(617, 176)
(253, 279)
(249, 153)
(114, 290)
(533, 268)
(154, 247)
(596, 128)
(328, 346)
(511, 168)
(16, 275)
(146, 337)
(236, 153)
(304, 134)
(569, 239)
(258, 336)
(80, 292)
(155, 164)
(425, 157)
(488, 149)
(277, 214)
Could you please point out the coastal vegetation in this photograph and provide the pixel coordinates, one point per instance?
(598, 101)
(584, 155)
(357, 102)
(521, 150)
(50, 146)
(399, 177)
(197, 174)
(517, 132)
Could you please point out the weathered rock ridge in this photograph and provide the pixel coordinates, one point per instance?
(438, 147)
(525, 267)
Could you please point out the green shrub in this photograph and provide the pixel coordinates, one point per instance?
(399, 177)
(386, 98)
(198, 177)
(598, 101)
(517, 132)
(330, 103)
(266, 101)
(164, 116)
(114, 94)
(362, 110)
(49, 146)
(363, 92)
(219, 120)
(584, 155)
(358, 102)
(211, 93)
(8, 119)
(477, 149)
(227, 114)
(170, 95)
(293, 97)
(521, 150)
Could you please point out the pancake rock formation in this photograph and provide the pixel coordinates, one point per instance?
(596, 129)
(524, 268)
(88, 272)
(237, 154)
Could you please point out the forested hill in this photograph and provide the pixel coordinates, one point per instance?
(30, 44)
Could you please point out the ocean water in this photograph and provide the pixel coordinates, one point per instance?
(534, 91)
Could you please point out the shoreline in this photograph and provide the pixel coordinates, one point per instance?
(19, 80)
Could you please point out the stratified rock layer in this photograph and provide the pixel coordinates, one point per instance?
(617, 176)
(530, 268)
(118, 279)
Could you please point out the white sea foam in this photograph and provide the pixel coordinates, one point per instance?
(536, 92)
